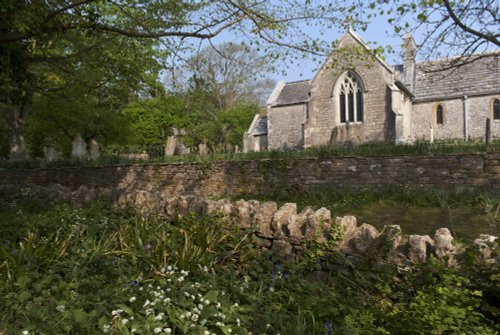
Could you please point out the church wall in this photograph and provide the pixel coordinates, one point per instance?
(424, 117)
(478, 109)
(285, 126)
(378, 122)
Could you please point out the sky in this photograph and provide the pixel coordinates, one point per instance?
(375, 35)
(379, 33)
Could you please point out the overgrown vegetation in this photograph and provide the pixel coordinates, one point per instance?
(340, 150)
(101, 270)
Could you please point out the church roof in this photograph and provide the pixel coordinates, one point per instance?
(293, 93)
(482, 76)
(436, 80)
(260, 127)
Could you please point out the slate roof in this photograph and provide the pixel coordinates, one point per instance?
(482, 76)
(479, 77)
(293, 93)
(260, 127)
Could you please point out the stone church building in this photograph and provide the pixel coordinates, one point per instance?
(361, 98)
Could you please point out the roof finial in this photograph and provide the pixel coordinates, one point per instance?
(348, 23)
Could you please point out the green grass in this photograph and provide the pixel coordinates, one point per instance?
(368, 149)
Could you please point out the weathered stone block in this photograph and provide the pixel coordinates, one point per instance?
(282, 217)
(363, 238)
(263, 217)
(281, 248)
(419, 248)
(472, 163)
(443, 243)
(485, 245)
(318, 225)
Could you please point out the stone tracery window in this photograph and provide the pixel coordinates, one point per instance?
(496, 109)
(350, 96)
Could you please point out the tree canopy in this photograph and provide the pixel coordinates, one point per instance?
(46, 46)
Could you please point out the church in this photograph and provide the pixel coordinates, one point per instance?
(356, 96)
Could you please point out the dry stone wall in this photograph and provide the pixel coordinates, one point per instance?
(286, 231)
(265, 177)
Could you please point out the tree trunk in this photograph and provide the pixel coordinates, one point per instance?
(16, 120)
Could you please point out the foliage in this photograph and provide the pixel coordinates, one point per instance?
(103, 270)
(152, 120)
(171, 303)
(447, 28)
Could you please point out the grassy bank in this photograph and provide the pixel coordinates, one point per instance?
(102, 270)
(339, 150)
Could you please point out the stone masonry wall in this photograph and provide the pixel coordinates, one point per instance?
(226, 178)
(478, 109)
(324, 116)
(285, 126)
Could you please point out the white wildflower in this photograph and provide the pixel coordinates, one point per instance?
(167, 330)
(105, 328)
(124, 321)
(60, 308)
(25, 332)
(132, 299)
(157, 330)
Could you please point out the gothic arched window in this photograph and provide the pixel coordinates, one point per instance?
(439, 114)
(496, 109)
(350, 94)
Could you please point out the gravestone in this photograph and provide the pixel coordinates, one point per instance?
(170, 146)
(181, 149)
(94, 150)
(51, 154)
(203, 149)
(79, 148)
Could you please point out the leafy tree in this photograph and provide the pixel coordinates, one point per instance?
(153, 119)
(37, 36)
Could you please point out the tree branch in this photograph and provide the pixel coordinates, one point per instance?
(466, 28)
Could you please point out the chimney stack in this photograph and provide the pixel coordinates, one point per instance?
(410, 52)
